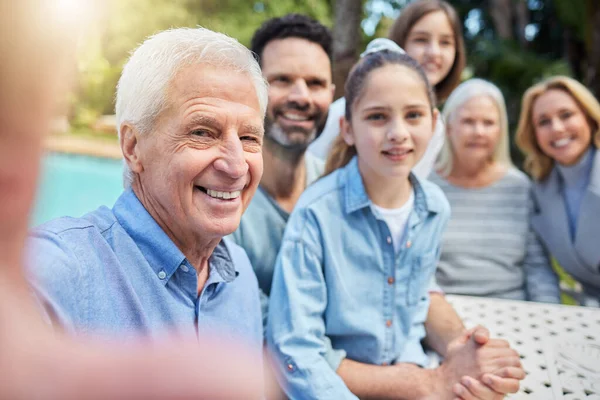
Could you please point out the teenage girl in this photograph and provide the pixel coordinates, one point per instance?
(360, 251)
(430, 31)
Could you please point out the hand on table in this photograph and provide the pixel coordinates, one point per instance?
(489, 369)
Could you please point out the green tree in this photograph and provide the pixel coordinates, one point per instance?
(126, 23)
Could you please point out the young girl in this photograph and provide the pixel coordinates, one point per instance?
(360, 250)
(430, 31)
(559, 131)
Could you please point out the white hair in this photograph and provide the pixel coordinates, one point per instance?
(144, 83)
(464, 92)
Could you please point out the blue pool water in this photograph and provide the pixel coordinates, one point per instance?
(75, 184)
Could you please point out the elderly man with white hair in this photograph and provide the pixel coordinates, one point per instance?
(190, 109)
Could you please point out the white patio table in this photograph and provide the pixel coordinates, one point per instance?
(559, 345)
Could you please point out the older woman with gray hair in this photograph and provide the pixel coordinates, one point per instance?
(489, 248)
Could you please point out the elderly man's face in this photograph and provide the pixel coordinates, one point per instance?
(300, 90)
(202, 163)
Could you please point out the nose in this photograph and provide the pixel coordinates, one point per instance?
(397, 131)
(231, 161)
(433, 49)
(479, 129)
(300, 93)
(557, 125)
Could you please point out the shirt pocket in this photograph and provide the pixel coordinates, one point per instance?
(422, 270)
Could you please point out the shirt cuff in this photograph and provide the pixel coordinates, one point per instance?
(334, 358)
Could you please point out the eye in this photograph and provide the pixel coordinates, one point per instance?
(201, 133)
(376, 117)
(446, 43)
(566, 115)
(414, 115)
(488, 122)
(316, 83)
(281, 79)
(251, 139)
(543, 122)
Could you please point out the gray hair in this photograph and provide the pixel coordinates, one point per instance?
(463, 93)
(142, 88)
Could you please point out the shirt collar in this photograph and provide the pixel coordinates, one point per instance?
(356, 198)
(577, 176)
(156, 246)
(221, 262)
(159, 250)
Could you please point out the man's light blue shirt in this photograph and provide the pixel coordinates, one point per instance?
(261, 231)
(337, 277)
(116, 272)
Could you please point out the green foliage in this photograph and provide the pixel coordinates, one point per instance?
(571, 13)
(127, 23)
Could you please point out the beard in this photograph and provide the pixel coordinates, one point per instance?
(294, 138)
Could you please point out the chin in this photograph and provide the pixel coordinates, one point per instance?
(220, 227)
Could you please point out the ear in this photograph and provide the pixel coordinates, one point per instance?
(332, 92)
(435, 117)
(130, 147)
(346, 131)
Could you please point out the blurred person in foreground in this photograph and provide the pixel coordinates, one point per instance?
(38, 361)
(489, 248)
(559, 131)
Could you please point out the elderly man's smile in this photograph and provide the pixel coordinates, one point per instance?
(220, 194)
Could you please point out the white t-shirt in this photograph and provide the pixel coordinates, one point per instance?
(320, 147)
(396, 219)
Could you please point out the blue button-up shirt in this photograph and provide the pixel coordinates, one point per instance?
(337, 275)
(117, 273)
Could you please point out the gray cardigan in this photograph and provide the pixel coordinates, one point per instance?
(581, 257)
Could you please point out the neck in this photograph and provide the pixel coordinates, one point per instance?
(578, 173)
(284, 176)
(388, 193)
(196, 249)
(476, 173)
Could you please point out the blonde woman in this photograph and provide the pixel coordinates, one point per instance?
(489, 248)
(558, 131)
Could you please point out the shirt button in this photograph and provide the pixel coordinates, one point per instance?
(388, 323)
(408, 244)
(290, 367)
(184, 268)
(162, 275)
(389, 239)
(391, 280)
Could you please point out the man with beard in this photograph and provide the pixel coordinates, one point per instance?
(294, 52)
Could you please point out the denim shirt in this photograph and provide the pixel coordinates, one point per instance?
(337, 276)
(115, 272)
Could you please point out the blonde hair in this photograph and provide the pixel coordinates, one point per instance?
(463, 93)
(537, 163)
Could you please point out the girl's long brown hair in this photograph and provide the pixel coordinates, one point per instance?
(410, 15)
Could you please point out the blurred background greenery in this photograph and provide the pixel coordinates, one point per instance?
(512, 43)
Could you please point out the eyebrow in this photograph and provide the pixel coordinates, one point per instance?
(202, 120)
(253, 130)
(446, 36)
(410, 106)
(275, 75)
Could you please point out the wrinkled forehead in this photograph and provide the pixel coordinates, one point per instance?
(224, 95)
